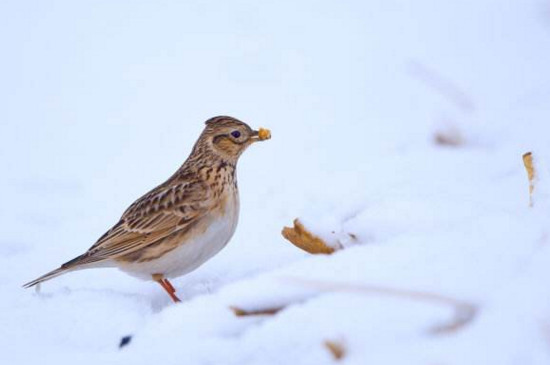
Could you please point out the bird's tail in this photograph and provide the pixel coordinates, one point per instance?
(78, 263)
(48, 276)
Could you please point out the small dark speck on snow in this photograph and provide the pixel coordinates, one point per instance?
(124, 341)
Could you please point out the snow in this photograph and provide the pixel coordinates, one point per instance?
(403, 123)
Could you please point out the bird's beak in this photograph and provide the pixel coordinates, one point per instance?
(261, 135)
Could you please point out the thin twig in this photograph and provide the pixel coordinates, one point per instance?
(442, 85)
(464, 312)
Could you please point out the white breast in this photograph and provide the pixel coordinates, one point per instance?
(195, 251)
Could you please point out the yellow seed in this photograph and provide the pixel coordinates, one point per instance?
(264, 134)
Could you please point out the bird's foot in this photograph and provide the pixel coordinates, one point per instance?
(166, 285)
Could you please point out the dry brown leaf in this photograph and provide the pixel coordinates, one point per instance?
(336, 348)
(529, 167)
(239, 312)
(446, 138)
(300, 237)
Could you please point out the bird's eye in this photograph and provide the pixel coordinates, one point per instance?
(236, 134)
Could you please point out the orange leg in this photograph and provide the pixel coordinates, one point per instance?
(169, 285)
(166, 285)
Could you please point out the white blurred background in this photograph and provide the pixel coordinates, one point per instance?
(102, 100)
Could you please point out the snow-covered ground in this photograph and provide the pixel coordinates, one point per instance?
(101, 101)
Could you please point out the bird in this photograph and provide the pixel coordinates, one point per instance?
(180, 224)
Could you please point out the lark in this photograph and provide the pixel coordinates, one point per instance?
(183, 222)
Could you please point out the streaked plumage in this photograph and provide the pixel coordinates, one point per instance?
(180, 224)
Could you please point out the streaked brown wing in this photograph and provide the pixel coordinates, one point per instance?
(166, 209)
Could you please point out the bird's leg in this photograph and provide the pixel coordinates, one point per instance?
(166, 285)
(169, 289)
(169, 285)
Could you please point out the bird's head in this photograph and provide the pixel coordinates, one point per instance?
(229, 137)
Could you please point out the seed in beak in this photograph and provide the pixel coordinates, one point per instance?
(264, 134)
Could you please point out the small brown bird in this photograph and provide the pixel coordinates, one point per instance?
(180, 224)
